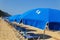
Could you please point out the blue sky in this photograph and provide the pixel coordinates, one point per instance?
(14, 7)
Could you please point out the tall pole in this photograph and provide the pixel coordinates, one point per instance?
(44, 35)
(44, 32)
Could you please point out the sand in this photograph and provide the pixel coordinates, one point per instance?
(54, 35)
(7, 32)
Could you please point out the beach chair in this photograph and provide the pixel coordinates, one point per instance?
(31, 36)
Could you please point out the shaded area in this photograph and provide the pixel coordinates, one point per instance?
(4, 14)
(19, 28)
(54, 26)
(22, 29)
(36, 36)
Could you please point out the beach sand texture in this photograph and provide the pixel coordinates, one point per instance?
(7, 32)
(54, 35)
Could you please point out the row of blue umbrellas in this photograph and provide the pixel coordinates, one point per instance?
(38, 18)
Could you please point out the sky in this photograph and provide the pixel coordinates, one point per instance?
(14, 7)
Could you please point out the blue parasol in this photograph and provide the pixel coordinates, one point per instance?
(40, 16)
(36, 17)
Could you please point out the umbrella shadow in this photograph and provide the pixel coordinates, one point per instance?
(42, 36)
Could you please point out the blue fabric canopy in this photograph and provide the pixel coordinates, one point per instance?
(36, 17)
(15, 18)
(54, 15)
(54, 19)
(54, 26)
(40, 16)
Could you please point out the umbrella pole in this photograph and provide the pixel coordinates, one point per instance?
(43, 35)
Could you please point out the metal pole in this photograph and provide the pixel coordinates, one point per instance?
(44, 35)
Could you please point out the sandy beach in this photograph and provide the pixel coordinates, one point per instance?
(7, 32)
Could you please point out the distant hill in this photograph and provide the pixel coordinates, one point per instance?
(4, 14)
